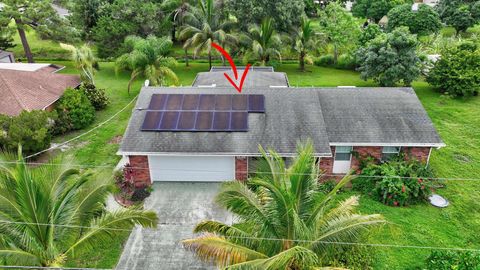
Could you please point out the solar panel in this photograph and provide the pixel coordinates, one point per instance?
(169, 120)
(256, 103)
(204, 121)
(223, 102)
(239, 102)
(174, 102)
(239, 121)
(194, 112)
(152, 119)
(221, 121)
(207, 103)
(158, 102)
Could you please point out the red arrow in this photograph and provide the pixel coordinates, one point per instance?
(234, 68)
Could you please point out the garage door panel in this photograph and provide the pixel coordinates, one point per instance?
(191, 168)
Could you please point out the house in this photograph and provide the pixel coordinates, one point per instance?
(6, 57)
(32, 86)
(212, 133)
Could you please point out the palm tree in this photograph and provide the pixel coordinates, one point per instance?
(84, 61)
(50, 212)
(204, 26)
(306, 39)
(148, 57)
(283, 219)
(263, 42)
(176, 10)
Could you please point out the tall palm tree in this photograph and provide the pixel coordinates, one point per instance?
(50, 212)
(281, 203)
(306, 39)
(176, 10)
(204, 26)
(263, 42)
(84, 61)
(149, 58)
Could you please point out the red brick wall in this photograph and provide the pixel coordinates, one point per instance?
(420, 153)
(141, 171)
(241, 168)
(363, 152)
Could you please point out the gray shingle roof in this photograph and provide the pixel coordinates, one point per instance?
(254, 79)
(287, 120)
(357, 116)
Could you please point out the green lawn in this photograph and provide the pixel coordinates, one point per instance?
(457, 121)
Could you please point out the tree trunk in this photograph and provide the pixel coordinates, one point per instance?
(186, 57)
(335, 54)
(23, 38)
(173, 32)
(302, 61)
(210, 59)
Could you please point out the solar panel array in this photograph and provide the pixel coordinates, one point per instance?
(204, 112)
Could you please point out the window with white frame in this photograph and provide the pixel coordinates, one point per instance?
(389, 152)
(343, 153)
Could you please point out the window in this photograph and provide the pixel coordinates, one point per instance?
(343, 153)
(389, 152)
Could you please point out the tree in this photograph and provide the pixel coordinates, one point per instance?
(205, 26)
(423, 21)
(124, 18)
(86, 13)
(340, 27)
(149, 58)
(74, 111)
(84, 61)
(370, 32)
(6, 35)
(51, 212)
(461, 14)
(375, 9)
(285, 13)
(390, 58)
(262, 42)
(306, 39)
(27, 13)
(30, 129)
(458, 70)
(176, 10)
(285, 204)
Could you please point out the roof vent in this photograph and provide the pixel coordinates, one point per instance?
(278, 86)
(146, 83)
(208, 85)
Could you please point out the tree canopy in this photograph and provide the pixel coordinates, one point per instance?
(457, 72)
(390, 58)
(49, 213)
(286, 204)
(460, 14)
(285, 13)
(375, 9)
(423, 21)
(340, 27)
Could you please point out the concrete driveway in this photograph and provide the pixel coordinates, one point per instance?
(180, 206)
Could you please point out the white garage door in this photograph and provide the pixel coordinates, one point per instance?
(191, 168)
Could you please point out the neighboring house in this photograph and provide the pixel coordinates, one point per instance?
(212, 133)
(32, 87)
(6, 57)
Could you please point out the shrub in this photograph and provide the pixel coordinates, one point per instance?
(324, 60)
(458, 71)
(328, 185)
(74, 111)
(30, 129)
(447, 260)
(423, 21)
(398, 182)
(97, 96)
(346, 61)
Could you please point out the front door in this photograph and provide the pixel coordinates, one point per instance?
(343, 159)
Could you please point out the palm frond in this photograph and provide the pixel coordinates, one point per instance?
(212, 248)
